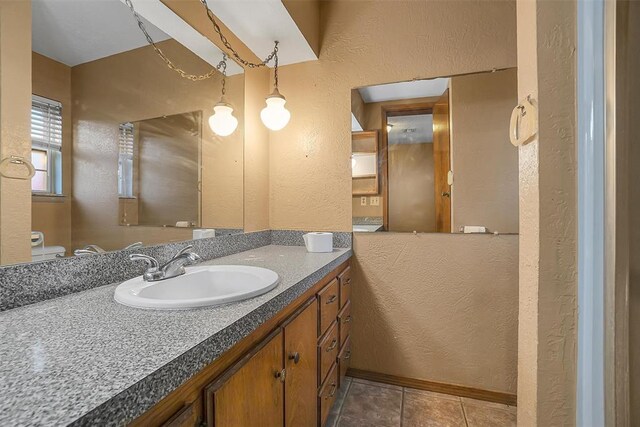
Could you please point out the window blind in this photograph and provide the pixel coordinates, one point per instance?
(125, 143)
(125, 159)
(46, 123)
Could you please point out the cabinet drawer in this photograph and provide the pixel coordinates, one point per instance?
(328, 300)
(344, 359)
(344, 322)
(328, 351)
(327, 394)
(185, 417)
(345, 286)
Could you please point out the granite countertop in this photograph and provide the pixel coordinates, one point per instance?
(84, 359)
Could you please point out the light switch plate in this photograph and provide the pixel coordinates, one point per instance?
(375, 201)
(363, 201)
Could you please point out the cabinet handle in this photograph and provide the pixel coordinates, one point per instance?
(332, 298)
(332, 393)
(347, 355)
(347, 319)
(281, 375)
(333, 345)
(295, 357)
(348, 281)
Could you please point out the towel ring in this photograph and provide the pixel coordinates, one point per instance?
(524, 123)
(16, 160)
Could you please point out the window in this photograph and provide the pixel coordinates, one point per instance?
(125, 160)
(46, 145)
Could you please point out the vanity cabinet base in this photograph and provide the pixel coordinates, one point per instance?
(273, 377)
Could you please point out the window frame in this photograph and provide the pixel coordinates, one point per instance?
(54, 176)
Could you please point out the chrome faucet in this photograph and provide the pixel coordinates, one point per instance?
(95, 249)
(172, 268)
(89, 250)
(135, 245)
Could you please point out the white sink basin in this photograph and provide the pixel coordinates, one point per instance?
(198, 287)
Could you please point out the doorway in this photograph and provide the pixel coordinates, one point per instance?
(415, 165)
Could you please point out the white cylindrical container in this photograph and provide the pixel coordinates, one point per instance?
(318, 242)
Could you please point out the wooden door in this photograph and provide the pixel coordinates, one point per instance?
(301, 366)
(251, 392)
(441, 163)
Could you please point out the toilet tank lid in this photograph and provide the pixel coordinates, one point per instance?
(48, 250)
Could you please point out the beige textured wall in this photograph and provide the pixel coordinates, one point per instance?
(15, 136)
(548, 278)
(310, 158)
(52, 216)
(484, 163)
(107, 92)
(437, 307)
(256, 147)
(412, 198)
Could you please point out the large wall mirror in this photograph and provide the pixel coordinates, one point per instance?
(123, 151)
(434, 156)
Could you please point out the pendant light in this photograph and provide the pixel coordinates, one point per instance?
(275, 116)
(222, 122)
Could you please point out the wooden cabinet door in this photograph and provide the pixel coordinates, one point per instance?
(251, 392)
(301, 366)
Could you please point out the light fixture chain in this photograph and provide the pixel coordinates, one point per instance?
(193, 77)
(275, 71)
(230, 48)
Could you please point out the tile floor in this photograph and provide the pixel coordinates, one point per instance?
(365, 403)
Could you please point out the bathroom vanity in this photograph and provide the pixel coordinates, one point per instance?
(286, 372)
(276, 359)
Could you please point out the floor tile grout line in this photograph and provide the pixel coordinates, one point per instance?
(402, 407)
(346, 394)
(464, 413)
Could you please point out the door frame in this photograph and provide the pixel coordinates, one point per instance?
(383, 152)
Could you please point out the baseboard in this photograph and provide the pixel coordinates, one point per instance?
(456, 390)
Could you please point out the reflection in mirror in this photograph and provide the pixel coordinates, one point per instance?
(121, 143)
(442, 162)
(158, 169)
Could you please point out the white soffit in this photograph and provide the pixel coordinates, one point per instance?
(258, 23)
(404, 90)
(162, 17)
(413, 129)
(355, 124)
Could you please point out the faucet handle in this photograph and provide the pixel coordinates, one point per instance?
(183, 250)
(151, 261)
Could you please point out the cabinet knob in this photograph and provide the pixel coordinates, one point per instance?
(281, 375)
(295, 357)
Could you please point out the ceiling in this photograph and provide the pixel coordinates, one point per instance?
(74, 32)
(404, 90)
(258, 23)
(414, 129)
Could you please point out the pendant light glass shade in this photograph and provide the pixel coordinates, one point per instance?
(222, 121)
(274, 115)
